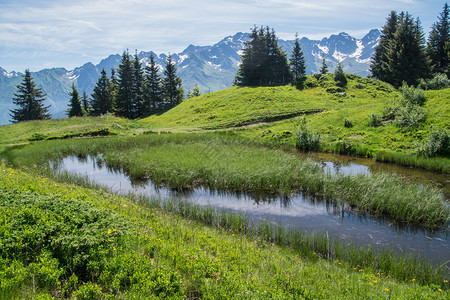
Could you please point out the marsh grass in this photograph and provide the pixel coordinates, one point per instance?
(312, 245)
(226, 162)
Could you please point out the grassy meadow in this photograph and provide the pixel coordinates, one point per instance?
(64, 237)
(63, 240)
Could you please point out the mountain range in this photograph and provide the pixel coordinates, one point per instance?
(210, 67)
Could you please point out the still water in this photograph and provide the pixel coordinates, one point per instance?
(300, 211)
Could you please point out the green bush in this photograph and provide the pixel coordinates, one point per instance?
(409, 115)
(374, 120)
(88, 291)
(37, 137)
(305, 140)
(438, 82)
(436, 144)
(348, 123)
(412, 95)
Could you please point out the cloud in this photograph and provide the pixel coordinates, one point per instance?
(71, 31)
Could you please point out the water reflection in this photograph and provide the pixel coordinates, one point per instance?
(301, 211)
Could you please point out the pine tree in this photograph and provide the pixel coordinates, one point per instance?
(102, 98)
(152, 88)
(29, 100)
(113, 87)
(400, 55)
(324, 68)
(406, 57)
(379, 64)
(297, 62)
(75, 109)
(438, 43)
(172, 89)
(339, 75)
(263, 61)
(138, 88)
(125, 101)
(85, 103)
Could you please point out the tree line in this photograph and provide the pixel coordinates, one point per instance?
(403, 56)
(132, 91)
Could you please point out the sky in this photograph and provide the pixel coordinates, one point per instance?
(39, 34)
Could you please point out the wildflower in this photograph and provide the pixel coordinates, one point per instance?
(187, 255)
(387, 290)
(114, 248)
(445, 281)
(125, 205)
(339, 263)
(413, 280)
(194, 257)
(439, 290)
(109, 231)
(375, 281)
(370, 283)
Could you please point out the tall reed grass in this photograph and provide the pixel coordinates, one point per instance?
(221, 161)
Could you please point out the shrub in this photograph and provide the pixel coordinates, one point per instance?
(374, 120)
(413, 95)
(409, 115)
(88, 291)
(436, 144)
(37, 137)
(348, 123)
(305, 140)
(439, 81)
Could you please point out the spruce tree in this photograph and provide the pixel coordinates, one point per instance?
(85, 103)
(125, 101)
(102, 98)
(172, 89)
(379, 64)
(406, 57)
(75, 109)
(297, 62)
(263, 61)
(324, 68)
(138, 88)
(439, 41)
(29, 100)
(152, 87)
(339, 75)
(113, 87)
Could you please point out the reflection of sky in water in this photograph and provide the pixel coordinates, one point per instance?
(298, 212)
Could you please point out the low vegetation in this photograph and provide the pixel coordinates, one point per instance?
(114, 247)
(223, 161)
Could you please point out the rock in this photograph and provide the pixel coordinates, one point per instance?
(359, 86)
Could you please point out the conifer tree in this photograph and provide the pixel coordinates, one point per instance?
(400, 55)
(324, 68)
(379, 64)
(113, 87)
(102, 98)
(125, 101)
(439, 43)
(152, 90)
(172, 89)
(339, 75)
(406, 57)
(297, 62)
(75, 109)
(263, 61)
(85, 103)
(29, 100)
(138, 88)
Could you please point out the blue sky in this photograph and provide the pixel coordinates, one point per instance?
(38, 34)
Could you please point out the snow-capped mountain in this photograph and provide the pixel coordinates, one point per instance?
(210, 67)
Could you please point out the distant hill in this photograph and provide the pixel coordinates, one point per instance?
(212, 68)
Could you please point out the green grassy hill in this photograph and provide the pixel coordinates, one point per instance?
(271, 113)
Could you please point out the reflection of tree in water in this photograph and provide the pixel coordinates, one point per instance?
(337, 167)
